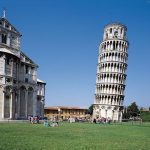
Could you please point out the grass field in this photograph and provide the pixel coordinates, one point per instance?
(145, 116)
(75, 136)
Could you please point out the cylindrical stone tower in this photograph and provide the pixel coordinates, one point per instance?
(110, 78)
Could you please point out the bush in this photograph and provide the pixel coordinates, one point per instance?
(145, 116)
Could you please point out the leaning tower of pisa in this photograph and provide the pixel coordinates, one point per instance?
(110, 77)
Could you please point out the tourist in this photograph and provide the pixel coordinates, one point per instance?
(94, 121)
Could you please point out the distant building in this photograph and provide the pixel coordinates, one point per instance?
(145, 109)
(65, 112)
(21, 93)
(40, 97)
(111, 73)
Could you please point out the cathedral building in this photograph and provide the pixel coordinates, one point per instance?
(110, 78)
(21, 93)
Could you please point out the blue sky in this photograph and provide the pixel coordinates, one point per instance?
(63, 36)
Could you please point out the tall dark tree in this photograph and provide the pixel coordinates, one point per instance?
(90, 110)
(131, 111)
(126, 114)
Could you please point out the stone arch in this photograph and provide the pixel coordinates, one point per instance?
(7, 93)
(117, 77)
(120, 45)
(112, 54)
(115, 100)
(106, 35)
(103, 56)
(105, 46)
(106, 56)
(116, 54)
(117, 44)
(30, 101)
(113, 45)
(14, 103)
(106, 86)
(110, 30)
(4, 38)
(101, 87)
(116, 88)
(103, 65)
(114, 66)
(121, 68)
(109, 87)
(121, 30)
(120, 78)
(119, 56)
(107, 75)
(111, 100)
(114, 76)
(23, 101)
(118, 66)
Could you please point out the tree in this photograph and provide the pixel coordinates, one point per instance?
(90, 110)
(126, 114)
(131, 111)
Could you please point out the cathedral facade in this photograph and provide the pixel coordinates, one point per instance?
(111, 76)
(21, 93)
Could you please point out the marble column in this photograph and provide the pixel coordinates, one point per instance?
(11, 105)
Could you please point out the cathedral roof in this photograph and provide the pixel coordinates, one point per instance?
(38, 80)
(4, 23)
(64, 107)
(25, 59)
(12, 52)
(115, 24)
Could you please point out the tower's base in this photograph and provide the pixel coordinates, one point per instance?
(111, 112)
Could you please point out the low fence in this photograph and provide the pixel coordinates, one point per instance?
(124, 122)
(13, 121)
(132, 122)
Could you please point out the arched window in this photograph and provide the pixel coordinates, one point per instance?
(4, 38)
(106, 35)
(110, 30)
(27, 69)
(121, 30)
(114, 45)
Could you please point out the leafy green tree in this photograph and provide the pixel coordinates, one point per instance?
(126, 114)
(131, 111)
(90, 110)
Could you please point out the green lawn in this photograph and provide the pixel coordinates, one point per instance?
(75, 136)
(145, 116)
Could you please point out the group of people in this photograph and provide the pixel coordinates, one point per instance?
(53, 124)
(102, 120)
(33, 119)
